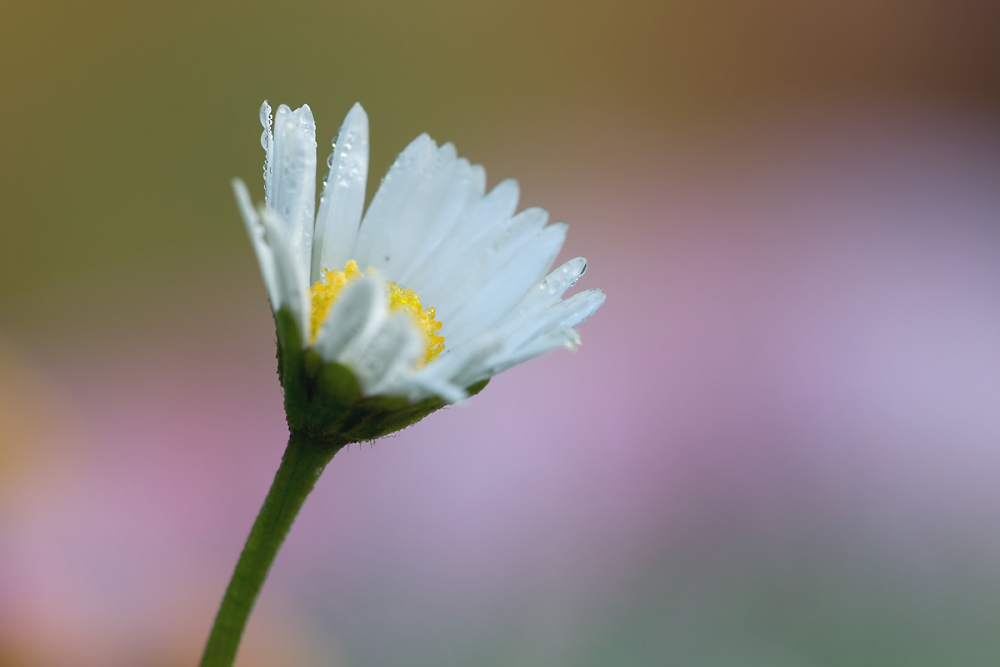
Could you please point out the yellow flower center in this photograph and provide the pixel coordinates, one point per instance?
(326, 289)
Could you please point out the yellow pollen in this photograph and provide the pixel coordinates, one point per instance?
(326, 289)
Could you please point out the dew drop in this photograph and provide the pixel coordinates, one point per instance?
(265, 115)
(329, 161)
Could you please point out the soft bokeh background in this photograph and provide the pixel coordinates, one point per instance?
(779, 445)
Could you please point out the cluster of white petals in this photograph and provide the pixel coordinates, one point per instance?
(431, 227)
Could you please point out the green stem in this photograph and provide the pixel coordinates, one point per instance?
(301, 466)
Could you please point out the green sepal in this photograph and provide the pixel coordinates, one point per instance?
(323, 399)
(292, 370)
(376, 416)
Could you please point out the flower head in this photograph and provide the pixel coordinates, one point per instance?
(385, 317)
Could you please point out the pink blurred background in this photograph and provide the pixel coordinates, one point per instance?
(777, 446)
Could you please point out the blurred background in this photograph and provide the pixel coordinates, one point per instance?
(778, 445)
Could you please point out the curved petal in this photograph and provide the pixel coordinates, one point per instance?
(394, 348)
(481, 219)
(399, 347)
(445, 376)
(357, 312)
(267, 143)
(290, 278)
(547, 292)
(417, 389)
(292, 194)
(506, 286)
(449, 186)
(458, 210)
(551, 340)
(390, 201)
(569, 313)
(343, 198)
(459, 280)
(255, 230)
(546, 331)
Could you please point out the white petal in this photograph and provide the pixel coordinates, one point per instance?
(358, 311)
(255, 230)
(460, 279)
(417, 389)
(568, 313)
(483, 219)
(450, 191)
(293, 190)
(463, 226)
(561, 337)
(395, 346)
(456, 365)
(267, 143)
(290, 278)
(390, 200)
(405, 231)
(547, 292)
(505, 287)
(343, 197)
(546, 331)
(403, 347)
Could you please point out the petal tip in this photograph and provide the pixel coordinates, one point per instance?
(357, 111)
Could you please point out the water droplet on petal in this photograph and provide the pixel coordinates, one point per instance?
(265, 115)
(329, 161)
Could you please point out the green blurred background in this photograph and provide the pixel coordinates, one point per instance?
(125, 120)
(776, 447)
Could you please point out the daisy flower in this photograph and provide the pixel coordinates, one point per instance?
(387, 314)
(383, 318)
